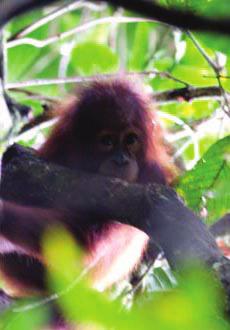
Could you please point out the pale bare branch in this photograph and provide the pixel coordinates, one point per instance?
(105, 20)
(57, 13)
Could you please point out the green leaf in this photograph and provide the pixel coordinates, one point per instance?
(33, 319)
(140, 48)
(190, 111)
(171, 310)
(207, 184)
(20, 61)
(91, 58)
(48, 70)
(203, 7)
(193, 68)
(24, 20)
(77, 299)
(221, 43)
(215, 8)
(23, 58)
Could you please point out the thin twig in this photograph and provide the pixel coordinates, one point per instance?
(202, 52)
(80, 79)
(166, 75)
(63, 292)
(36, 96)
(225, 99)
(140, 279)
(215, 67)
(105, 20)
(192, 137)
(223, 76)
(26, 135)
(66, 8)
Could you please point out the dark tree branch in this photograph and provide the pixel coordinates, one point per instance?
(163, 215)
(178, 18)
(187, 94)
(175, 95)
(153, 208)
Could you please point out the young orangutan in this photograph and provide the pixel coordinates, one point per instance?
(110, 129)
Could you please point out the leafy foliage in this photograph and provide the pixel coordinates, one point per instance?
(198, 130)
(164, 309)
(104, 60)
(207, 183)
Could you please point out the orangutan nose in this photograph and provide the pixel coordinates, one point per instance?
(120, 159)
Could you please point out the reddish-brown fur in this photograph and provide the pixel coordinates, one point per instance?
(92, 99)
(115, 247)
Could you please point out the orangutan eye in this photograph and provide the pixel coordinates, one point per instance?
(131, 139)
(106, 140)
